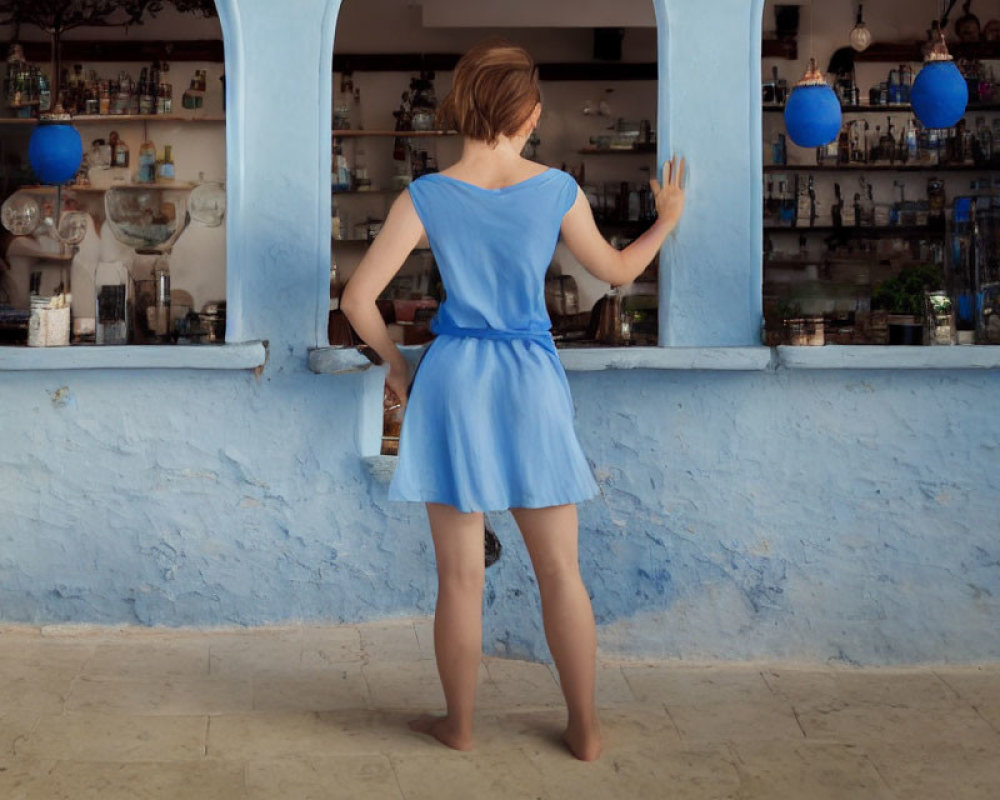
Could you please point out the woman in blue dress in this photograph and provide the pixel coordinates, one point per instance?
(488, 421)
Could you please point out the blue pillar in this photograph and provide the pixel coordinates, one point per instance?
(278, 69)
(709, 112)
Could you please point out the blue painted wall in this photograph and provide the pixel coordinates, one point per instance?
(793, 514)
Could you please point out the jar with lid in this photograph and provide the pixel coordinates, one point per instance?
(423, 102)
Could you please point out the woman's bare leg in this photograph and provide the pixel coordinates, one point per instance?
(551, 538)
(458, 620)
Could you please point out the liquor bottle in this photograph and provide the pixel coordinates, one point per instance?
(119, 150)
(44, 94)
(779, 150)
(104, 99)
(911, 142)
(145, 98)
(153, 87)
(844, 147)
(121, 101)
(984, 142)
(147, 163)
(341, 172)
(362, 183)
(356, 114)
(165, 92)
(887, 144)
(165, 168)
(877, 153)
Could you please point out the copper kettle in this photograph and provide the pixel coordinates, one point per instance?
(610, 328)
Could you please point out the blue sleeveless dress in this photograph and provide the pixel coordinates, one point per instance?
(489, 422)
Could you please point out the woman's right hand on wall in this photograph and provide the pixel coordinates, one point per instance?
(670, 196)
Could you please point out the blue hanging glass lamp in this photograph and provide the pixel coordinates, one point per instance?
(55, 150)
(940, 94)
(812, 113)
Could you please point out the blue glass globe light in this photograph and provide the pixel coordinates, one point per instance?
(55, 152)
(812, 113)
(940, 94)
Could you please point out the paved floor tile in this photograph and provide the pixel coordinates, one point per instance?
(38, 691)
(15, 726)
(391, 640)
(517, 685)
(115, 737)
(449, 775)
(324, 646)
(410, 684)
(142, 659)
(684, 685)
(859, 724)
(160, 695)
(656, 768)
(102, 780)
(318, 689)
(356, 777)
(738, 721)
(808, 771)
(240, 655)
(938, 770)
(883, 687)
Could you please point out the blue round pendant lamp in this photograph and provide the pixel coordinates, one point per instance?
(812, 113)
(940, 94)
(55, 151)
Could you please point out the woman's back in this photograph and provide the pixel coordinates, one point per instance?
(493, 246)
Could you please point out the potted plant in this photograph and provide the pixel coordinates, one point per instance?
(902, 296)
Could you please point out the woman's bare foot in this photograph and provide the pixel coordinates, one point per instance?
(583, 742)
(442, 729)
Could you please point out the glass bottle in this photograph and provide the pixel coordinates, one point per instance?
(165, 91)
(165, 168)
(357, 109)
(122, 101)
(119, 150)
(113, 299)
(104, 99)
(153, 88)
(362, 183)
(341, 171)
(158, 315)
(147, 163)
(984, 141)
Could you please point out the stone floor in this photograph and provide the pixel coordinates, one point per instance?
(319, 712)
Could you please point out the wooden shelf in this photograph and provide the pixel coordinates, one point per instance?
(339, 192)
(341, 133)
(862, 232)
(912, 52)
(112, 118)
(889, 109)
(445, 62)
(617, 151)
(178, 185)
(139, 50)
(880, 168)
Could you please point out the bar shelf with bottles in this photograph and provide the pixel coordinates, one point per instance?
(87, 96)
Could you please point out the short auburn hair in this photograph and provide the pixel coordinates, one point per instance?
(494, 91)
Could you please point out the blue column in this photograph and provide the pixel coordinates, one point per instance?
(709, 112)
(278, 67)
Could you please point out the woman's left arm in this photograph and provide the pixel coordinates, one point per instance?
(400, 233)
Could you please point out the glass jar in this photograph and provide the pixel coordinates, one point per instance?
(113, 298)
(423, 102)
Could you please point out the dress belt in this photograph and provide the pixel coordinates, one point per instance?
(544, 338)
